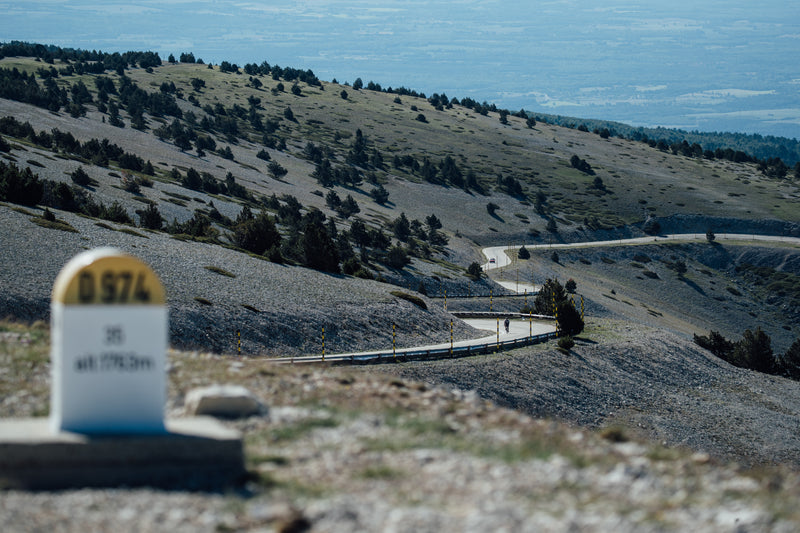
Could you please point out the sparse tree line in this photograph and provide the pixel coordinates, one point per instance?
(768, 152)
(310, 239)
(98, 152)
(219, 120)
(81, 61)
(22, 186)
(24, 87)
(735, 147)
(754, 352)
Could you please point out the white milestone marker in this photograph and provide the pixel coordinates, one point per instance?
(109, 342)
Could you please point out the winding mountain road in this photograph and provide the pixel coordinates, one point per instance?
(522, 330)
(501, 258)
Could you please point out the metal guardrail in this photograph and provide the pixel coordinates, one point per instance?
(499, 314)
(415, 354)
(482, 295)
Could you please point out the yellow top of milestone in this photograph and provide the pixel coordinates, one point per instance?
(107, 276)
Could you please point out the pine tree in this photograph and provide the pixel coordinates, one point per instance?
(319, 250)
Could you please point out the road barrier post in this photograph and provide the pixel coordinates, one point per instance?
(555, 314)
(490, 300)
(239, 342)
(394, 348)
(581, 307)
(497, 348)
(445, 299)
(451, 337)
(323, 343)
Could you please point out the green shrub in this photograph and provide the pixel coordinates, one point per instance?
(754, 351)
(350, 266)
(569, 319)
(789, 364)
(566, 342)
(150, 217)
(115, 213)
(614, 434)
(397, 257)
(257, 234)
(19, 186)
(474, 271)
(570, 286)
(80, 177)
(551, 292)
(652, 227)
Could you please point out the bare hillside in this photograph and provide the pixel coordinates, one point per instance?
(430, 183)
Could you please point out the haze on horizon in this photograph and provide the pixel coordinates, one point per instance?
(709, 65)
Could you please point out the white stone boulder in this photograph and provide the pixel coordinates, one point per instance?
(222, 401)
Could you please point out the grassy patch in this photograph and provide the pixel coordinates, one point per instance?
(415, 432)
(380, 472)
(130, 231)
(220, 271)
(54, 224)
(301, 428)
(25, 358)
(416, 300)
(24, 211)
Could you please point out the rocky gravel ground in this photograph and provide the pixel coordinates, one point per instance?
(655, 384)
(351, 449)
